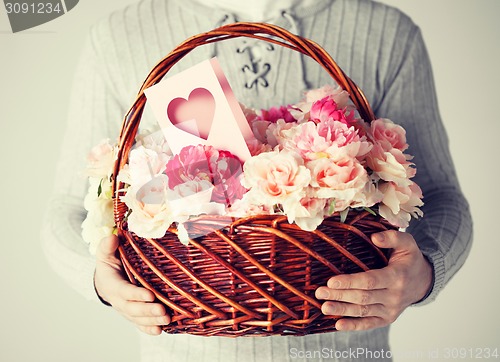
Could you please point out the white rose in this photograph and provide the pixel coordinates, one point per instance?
(148, 220)
(144, 164)
(101, 159)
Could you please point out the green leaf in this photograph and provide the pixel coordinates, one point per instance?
(332, 207)
(99, 189)
(370, 211)
(343, 215)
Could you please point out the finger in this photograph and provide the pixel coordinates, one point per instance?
(352, 310)
(140, 309)
(151, 330)
(392, 239)
(131, 292)
(359, 324)
(149, 321)
(355, 296)
(369, 280)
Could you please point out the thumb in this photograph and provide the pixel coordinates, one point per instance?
(392, 239)
(107, 247)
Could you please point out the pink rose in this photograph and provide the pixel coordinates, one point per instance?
(388, 134)
(399, 204)
(342, 179)
(273, 177)
(392, 165)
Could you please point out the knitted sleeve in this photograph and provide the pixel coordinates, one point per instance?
(444, 234)
(91, 118)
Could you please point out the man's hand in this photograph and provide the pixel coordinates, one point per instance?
(378, 297)
(134, 303)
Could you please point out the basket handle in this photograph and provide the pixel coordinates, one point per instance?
(279, 35)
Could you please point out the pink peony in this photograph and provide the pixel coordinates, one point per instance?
(273, 177)
(329, 138)
(257, 147)
(347, 139)
(273, 114)
(305, 139)
(388, 134)
(399, 204)
(276, 132)
(340, 96)
(392, 165)
(341, 180)
(327, 109)
(307, 212)
(259, 129)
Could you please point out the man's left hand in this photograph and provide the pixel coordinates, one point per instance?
(377, 297)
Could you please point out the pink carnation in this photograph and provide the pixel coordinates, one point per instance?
(273, 114)
(221, 168)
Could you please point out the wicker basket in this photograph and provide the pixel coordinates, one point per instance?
(254, 276)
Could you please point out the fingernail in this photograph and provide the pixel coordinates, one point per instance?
(380, 237)
(158, 312)
(329, 309)
(334, 285)
(322, 294)
(163, 320)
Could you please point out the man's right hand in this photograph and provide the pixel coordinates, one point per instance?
(133, 302)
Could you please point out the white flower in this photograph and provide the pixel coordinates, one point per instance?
(99, 222)
(101, 159)
(144, 164)
(149, 220)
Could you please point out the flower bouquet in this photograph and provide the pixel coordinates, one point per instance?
(238, 248)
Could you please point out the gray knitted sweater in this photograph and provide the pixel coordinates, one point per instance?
(377, 46)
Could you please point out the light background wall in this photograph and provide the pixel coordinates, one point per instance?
(41, 319)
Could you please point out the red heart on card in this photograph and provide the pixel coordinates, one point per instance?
(195, 114)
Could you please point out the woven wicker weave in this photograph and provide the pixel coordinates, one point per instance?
(257, 275)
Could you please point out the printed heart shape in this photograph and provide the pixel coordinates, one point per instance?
(194, 115)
